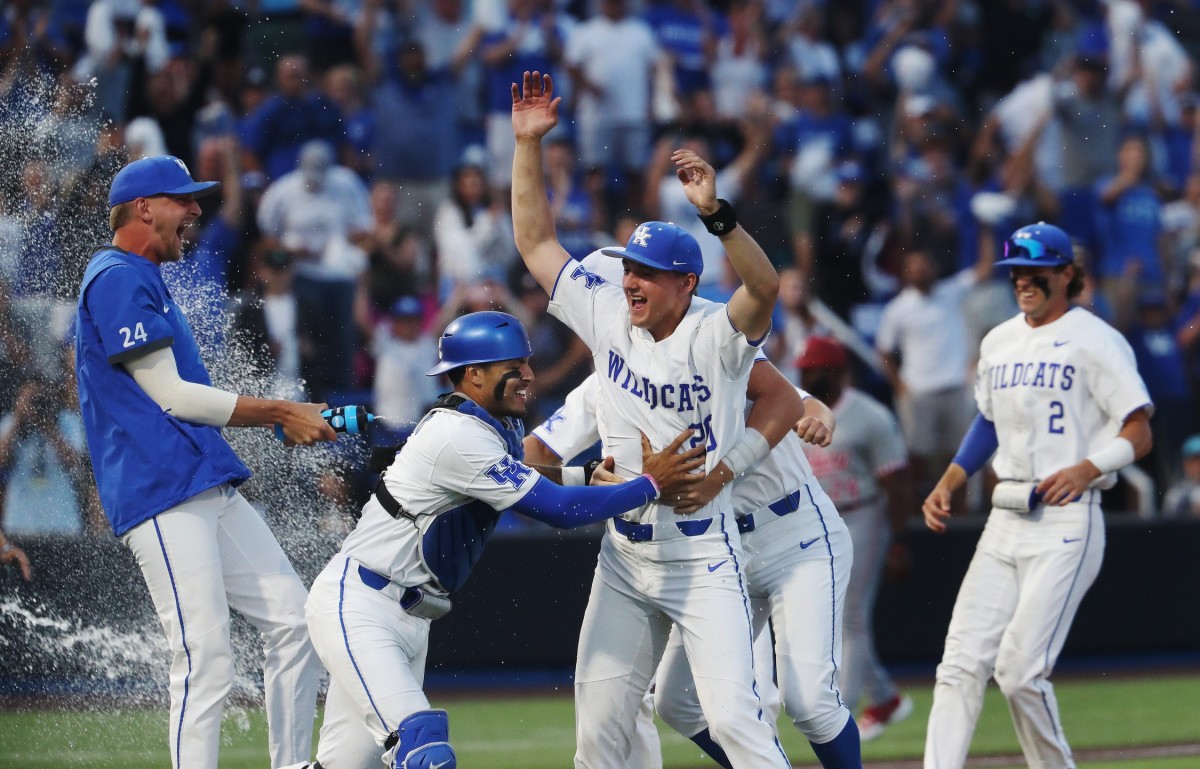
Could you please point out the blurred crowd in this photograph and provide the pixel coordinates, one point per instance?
(880, 150)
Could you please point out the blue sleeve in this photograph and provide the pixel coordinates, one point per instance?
(566, 507)
(977, 445)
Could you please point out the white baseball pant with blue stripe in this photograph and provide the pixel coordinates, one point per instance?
(797, 570)
(375, 652)
(1011, 618)
(639, 590)
(201, 558)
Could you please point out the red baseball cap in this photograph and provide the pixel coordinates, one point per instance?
(822, 352)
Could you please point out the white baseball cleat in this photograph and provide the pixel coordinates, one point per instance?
(878, 718)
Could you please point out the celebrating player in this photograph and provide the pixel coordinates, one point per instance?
(864, 471)
(422, 532)
(167, 478)
(789, 578)
(1053, 384)
(665, 363)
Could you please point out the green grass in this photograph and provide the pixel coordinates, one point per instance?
(538, 732)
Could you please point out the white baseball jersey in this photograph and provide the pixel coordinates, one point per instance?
(454, 466)
(659, 388)
(1056, 392)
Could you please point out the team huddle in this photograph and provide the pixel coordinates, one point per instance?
(727, 582)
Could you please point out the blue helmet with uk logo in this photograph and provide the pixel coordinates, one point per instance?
(1037, 245)
(481, 337)
(662, 246)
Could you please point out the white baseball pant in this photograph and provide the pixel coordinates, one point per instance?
(798, 568)
(1011, 618)
(375, 653)
(201, 558)
(639, 590)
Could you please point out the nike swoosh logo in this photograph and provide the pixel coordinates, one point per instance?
(1069, 540)
(804, 545)
(713, 568)
(677, 263)
(1060, 344)
(439, 766)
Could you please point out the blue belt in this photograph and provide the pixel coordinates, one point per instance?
(781, 507)
(377, 581)
(644, 532)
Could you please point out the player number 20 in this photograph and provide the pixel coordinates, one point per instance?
(1056, 417)
(138, 335)
(704, 434)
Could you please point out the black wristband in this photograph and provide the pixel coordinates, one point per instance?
(722, 221)
(588, 469)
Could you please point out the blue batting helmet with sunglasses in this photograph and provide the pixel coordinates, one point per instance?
(1037, 245)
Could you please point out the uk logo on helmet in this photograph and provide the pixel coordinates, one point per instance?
(641, 236)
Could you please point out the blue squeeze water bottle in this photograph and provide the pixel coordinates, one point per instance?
(343, 419)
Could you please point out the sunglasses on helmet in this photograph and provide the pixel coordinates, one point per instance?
(1028, 248)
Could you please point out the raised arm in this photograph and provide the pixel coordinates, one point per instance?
(751, 304)
(534, 114)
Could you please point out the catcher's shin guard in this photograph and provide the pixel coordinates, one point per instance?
(421, 742)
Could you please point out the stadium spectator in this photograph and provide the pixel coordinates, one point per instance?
(1164, 370)
(923, 340)
(472, 229)
(739, 67)
(1128, 217)
(329, 32)
(343, 85)
(41, 451)
(529, 39)
(265, 322)
(416, 104)
(1183, 498)
(296, 114)
(319, 213)
(611, 59)
(403, 352)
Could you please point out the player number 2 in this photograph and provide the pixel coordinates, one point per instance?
(704, 434)
(1056, 417)
(138, 335)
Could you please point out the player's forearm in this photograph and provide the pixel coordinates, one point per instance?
(533, 222)
(566, 507)
(818, 410)
(901, 502)
(775, 412)
(751, 307)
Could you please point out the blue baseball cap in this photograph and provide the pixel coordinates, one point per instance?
(663, 246)
(1037, 245)
(159, 175)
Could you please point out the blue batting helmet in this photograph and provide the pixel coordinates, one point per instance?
(481, 337)
(1037, 245)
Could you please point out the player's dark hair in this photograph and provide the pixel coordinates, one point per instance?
(456, 375)
(1075, 287)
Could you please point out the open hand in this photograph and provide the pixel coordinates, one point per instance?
(698, 178)
(534, 106)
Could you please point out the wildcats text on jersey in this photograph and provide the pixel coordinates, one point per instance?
(682, 397)
(1049, 376)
